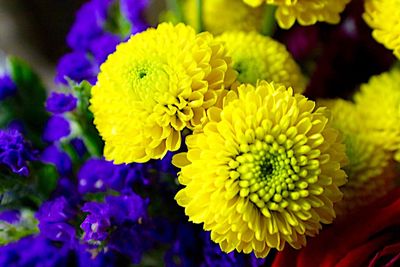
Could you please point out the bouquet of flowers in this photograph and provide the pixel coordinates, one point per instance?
(232, 133)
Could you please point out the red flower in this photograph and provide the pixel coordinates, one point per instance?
(368, 237)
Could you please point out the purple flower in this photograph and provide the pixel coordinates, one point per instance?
(88, 24)
(103, 46)
(56, 128)
(97, 222)
(7, 87)
(58, 103)
(15, 152)
(10, 216)
(79, 146)
(35, 252)
(119, 222)
(97, 175)
(77, 67)
(53, 219)
(60, 159)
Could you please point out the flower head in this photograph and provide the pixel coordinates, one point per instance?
(264, 171)
(305, 12)
(56, 128)
(383, 16)
(59, 102)
(369, 174)
(257, 57)
(378, 103)
(118, 222)
(53, 219)
(236, 14)
(15, 152)
(98, 175)
(156, 84)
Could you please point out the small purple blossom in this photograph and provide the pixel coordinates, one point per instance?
(58, 103)
(10, 216)
(15, 152)
(97, 175)
(88, 24)
(103, 46)
(56, 128)
(77, 67)
(79, 146)
(53, 219)
(119, 222)
(60, 159)
(7, 87)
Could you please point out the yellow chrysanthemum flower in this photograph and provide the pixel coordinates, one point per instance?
(383, 16)
(156, 84)
(257, 57)
(264, 171)
(378, 102)
(224, 15)
(306, 12)
(369, 174)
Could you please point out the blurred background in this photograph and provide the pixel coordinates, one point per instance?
(35, 30)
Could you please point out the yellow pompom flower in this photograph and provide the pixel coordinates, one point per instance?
(306, 12)
(224, 15)
(264, 171)
(257, 57)
(378, 102)
(370, 175)
(153, 86)
(383, 16)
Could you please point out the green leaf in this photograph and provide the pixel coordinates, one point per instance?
(28, 104)
(47, 177)
(84, 118)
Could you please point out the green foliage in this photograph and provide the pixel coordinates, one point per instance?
(28, 104)
(84, 118)
(116, 23)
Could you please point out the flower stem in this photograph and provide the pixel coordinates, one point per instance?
(269, 22)
(200, 22)
(176, 7)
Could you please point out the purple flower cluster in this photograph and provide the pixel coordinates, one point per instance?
(7, 86)
(98, 175)
(53, 219)
(95, 34)
(119, 221)
(15, 152)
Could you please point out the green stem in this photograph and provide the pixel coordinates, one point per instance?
(200, 22)
(176, 7)
(269, 22)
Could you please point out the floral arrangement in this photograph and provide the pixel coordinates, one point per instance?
(233, 133)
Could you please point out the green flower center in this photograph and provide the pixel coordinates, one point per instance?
(148, 80)
(249, 69)
(271, 173)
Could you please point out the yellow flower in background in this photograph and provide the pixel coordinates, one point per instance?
(383, 16)
(224, 15)
(264, 171)
(257, 57)
(370, 176)
(305, 12)
(156, 84)
(378, 102)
